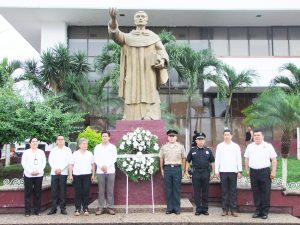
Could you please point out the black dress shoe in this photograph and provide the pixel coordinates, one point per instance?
(256, 215)
(64, 212)
(265, 216)
(205, 213)
(197, 213)
(51, 212)
(168, 212)
(177, 212)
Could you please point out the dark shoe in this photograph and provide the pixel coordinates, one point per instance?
(205, 213)
(225, 213)
(256, 215)
(86, 212)
(51, 212)
(27, 214)
(265, 216)
(177, 212)
(111, 211)
(168, 212)
(197, 213)
(100, 212)
(37, 214)
(234, 214)
(64, 212)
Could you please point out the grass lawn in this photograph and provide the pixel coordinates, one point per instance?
(293, 169)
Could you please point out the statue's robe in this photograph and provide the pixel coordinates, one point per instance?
(139, 81)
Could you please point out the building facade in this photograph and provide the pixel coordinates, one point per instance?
(246, 35)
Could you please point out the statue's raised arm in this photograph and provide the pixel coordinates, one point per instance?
(113, 24)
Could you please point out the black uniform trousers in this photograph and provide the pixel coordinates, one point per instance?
(261, 188)
(200, 181)
(82, 191)
(58, 186)
(228, 187)
(172, 177)
(33, 184)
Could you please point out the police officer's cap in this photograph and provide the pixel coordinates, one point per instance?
(172, 132)
(200, 136)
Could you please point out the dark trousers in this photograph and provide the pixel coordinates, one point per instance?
(33, 184)
(200, 181)
(82, 191)
(58, 185)
(261, 188)
(228, 186)
(172, 177)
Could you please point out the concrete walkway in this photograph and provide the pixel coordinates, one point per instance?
(146, 218)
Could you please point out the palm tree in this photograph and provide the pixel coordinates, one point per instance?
(282, 112)
(292, 83)
(191, 66)
(233, 81)
(7, 69)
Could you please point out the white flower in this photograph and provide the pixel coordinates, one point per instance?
(141, 148)
(139, 136)
(150, 171)
(125, 137)
(122, 147)
(148, 143)
(148, 133)
(128, 142)
(156, 147)
(151, 160)
(148, 163)
(151, 168)
(135, 172)
(124, 164)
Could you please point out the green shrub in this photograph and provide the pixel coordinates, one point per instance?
(92, 136)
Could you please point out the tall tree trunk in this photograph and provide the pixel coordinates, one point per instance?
(226, 119)
(285, 147)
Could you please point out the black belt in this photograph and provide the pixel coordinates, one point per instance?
(172, 165)
(198, 169)
(266, 168)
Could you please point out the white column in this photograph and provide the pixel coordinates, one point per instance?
(298, 143)
(53, 33)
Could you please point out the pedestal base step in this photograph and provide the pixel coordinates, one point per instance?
(186, 206)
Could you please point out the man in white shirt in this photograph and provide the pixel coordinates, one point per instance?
(105, 156)
(59, 158)
(258, 157)
(228, 166)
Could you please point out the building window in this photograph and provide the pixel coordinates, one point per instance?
(238, 42)
(294, 38)
(219, 41)
(258, 41)
(198, 38)
(280, 41)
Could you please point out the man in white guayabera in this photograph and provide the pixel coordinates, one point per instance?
(105, 156)
(228, 166)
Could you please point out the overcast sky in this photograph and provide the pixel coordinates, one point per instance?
(12, 44)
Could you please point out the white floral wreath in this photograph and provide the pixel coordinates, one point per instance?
(138, 154)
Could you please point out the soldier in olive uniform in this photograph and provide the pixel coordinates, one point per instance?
(172, 155)
(202, 159)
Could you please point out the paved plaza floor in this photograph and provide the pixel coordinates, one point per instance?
(147, 218)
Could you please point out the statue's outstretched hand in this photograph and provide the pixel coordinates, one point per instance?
(113, 12)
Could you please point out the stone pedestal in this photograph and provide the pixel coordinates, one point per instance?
(139, 193)
(123, 126)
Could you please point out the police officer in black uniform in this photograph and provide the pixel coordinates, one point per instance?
(203, 162)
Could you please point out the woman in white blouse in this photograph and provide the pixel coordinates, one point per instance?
(80, 170)
(33, 162)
